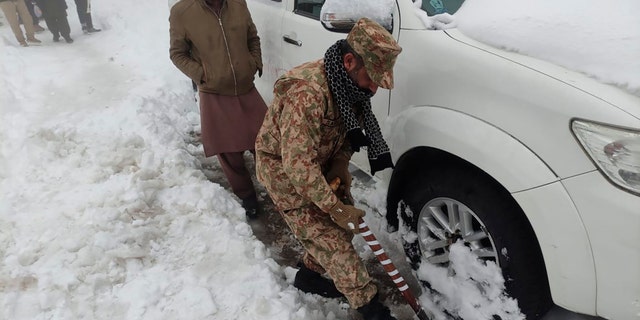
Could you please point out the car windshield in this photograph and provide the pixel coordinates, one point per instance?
(433, 7)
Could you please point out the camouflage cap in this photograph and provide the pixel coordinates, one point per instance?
(377, 48)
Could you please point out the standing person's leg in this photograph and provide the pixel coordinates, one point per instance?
(52, 25)
(49, 20)
(11, 13)
(235, 169)
(81, 8)
(24, 14)
(32, 13)
(88, 18)
(55, 27)
(65, 30)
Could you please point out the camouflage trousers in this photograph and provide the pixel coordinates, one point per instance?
(329, 249)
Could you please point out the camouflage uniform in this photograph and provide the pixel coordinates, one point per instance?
(301, 135)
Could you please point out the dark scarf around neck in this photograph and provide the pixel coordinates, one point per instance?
(346, 94)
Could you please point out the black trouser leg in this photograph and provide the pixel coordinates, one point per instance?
(52, 25)
(63, 25)
(88, 20)
(81, 7)
(32, 12)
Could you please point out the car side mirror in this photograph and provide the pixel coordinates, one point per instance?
(341, 15)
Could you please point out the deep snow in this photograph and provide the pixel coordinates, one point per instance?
(107, 210)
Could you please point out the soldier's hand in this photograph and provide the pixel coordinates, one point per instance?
(344, 194)
(346, 216)
(340, 169)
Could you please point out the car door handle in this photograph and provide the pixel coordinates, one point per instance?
(288, 39)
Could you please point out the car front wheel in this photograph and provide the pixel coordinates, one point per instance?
(455, 201)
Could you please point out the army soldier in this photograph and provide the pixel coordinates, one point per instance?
(311, 129)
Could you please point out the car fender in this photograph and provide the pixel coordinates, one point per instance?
(496, 152)
(535, 187)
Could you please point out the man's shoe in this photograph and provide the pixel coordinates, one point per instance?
(23, 43)
(374, 310)
(252, 207)
(92, 30)
(310, 281)
(68, 39)
(33, 40)
(56, 38)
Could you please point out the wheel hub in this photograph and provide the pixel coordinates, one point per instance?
(443, 222)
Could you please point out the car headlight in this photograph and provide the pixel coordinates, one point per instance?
(615, 151)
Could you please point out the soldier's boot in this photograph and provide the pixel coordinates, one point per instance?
(374, 310)
(310, 281)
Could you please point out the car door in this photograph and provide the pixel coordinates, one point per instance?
(267, 16)
(303, 36)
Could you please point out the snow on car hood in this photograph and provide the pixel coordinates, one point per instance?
(598, 38)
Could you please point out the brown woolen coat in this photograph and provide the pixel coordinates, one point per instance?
(219, 52)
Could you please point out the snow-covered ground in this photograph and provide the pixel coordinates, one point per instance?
(106, 211)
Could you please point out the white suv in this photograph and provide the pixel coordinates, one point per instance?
(534, 166)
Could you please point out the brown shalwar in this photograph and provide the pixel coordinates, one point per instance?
(230, 123)
(229, 127)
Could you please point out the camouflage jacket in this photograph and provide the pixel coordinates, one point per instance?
(300, 136)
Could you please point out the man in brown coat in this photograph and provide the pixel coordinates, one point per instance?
(216, 44)
(308, 136)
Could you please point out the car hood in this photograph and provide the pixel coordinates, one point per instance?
(611, 94)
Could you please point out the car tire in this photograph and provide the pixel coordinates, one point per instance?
(510, 238)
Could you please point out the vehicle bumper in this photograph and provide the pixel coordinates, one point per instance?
(611, 217)
(565, 246)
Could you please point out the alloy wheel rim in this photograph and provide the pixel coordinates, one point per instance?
(442, 222)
